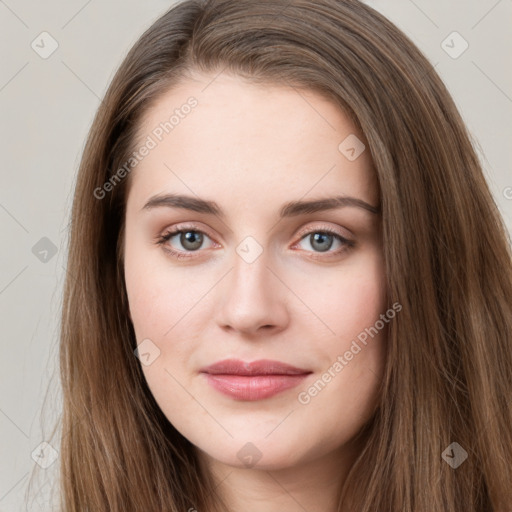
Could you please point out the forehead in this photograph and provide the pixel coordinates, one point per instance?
(215, 134)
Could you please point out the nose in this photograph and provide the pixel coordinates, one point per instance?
(252, 299)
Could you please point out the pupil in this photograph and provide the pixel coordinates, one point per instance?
(321, 237)
(192, 238)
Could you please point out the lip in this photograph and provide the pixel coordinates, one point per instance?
(253, 381)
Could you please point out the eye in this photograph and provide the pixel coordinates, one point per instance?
(189, 237)
(321, 240)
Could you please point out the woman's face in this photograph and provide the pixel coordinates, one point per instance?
(259, 278)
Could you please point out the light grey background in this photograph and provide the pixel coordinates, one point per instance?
(47, 105)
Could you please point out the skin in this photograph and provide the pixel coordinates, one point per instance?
(251, 149)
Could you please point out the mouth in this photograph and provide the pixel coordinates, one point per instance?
(253, 381)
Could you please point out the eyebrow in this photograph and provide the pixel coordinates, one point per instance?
(290, 209)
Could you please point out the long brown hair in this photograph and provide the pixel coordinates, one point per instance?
(448, 263)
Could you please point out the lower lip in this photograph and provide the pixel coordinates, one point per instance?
(258, 387)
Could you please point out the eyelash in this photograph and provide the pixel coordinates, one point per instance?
(167, 235)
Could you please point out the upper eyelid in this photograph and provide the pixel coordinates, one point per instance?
(185, 227)
(325, 228)
(196, 227)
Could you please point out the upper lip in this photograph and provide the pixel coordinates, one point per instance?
(261, 367)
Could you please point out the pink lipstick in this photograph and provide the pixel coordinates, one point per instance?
(253, 381)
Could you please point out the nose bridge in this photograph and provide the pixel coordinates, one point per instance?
(250, 272)
(250, 296)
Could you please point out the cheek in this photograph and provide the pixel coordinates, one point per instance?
(164, 303)
(354, 358)
(350, 302)
(144, 286)
(347, 299)
(165, 308)
(153, 292)
(363, 333)
(146, 304)
(365, 298)
(158, 303)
